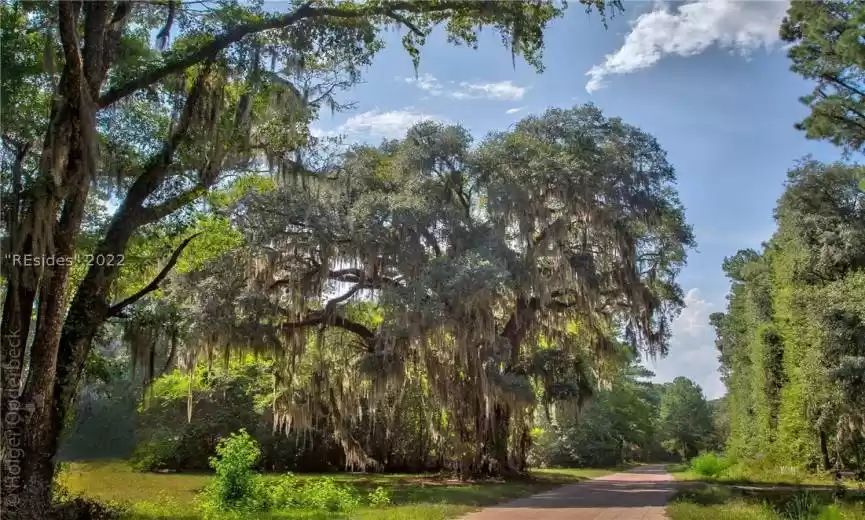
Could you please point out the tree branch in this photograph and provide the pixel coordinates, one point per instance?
(838, 81)
(67, 25)
(335, 320)
(95, 16)
(403, 20)
(153, 213)
(354, 275)
(116, 309)
(114, 34)
(235, 34)
(146, 183)
(331, 304)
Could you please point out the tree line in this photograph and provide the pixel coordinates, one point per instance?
(792, 339)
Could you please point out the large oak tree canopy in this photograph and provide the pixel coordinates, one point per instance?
(495, 270)
(153, 105)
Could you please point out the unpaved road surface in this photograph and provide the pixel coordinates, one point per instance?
(638, 494)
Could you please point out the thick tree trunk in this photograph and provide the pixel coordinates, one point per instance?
(68, 161)
(17, 311)
(824, 451)
(498, 442)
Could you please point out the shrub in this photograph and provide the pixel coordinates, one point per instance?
(278, 494)
(326, 495)
(832, 512)
(68, 506)
(234, 485)
(158, 452)
(709, 465)
(80, 507)
(380, 497)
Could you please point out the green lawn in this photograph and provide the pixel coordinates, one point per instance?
(416, 497)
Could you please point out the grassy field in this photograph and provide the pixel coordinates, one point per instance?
(151, 496)
(724, 502)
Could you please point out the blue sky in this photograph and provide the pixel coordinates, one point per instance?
(708, 78)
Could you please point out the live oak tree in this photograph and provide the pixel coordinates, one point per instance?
(495, 272)
(167, 99)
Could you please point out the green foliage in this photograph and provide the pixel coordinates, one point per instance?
(325, 494)
(221, 400)
(827, 48)
(185, 100)
(103, 425)
(379, 497)
(618, 425)
(685, 421)
(791, 341)
(158, 452)
(415, 225)
(233, 484)
(709, 465)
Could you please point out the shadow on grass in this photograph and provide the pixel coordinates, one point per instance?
(779, 498)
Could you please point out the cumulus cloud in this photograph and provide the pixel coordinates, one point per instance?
(514, 110)
(391, 125)
(692, 348)
(497, 91)
(690, 29)
(694, 319)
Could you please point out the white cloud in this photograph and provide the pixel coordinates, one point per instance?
(503, 91)
(691, 29)
(321, 133)
(391, 125)
(426, 82)
(514, 110)
(497, 91)
(694, 319)
(692, 348)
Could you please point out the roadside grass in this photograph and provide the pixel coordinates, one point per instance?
(163, 496)
(740, 474)
(723, 502)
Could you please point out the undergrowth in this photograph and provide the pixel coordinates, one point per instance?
(236, 491)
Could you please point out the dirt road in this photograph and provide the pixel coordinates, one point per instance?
(638, 494)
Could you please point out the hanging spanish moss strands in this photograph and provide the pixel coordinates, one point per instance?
(491, 283)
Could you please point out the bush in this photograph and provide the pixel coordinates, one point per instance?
(709, 465)
(326, 495)
(237, 490)
(234, 486)
(158, 452)
(380, 497)
(278, 494)
(67, 506)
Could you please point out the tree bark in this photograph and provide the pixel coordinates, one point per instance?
(824, 451)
